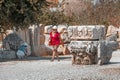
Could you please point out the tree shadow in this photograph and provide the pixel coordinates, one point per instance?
(114, 62)
(47, 58)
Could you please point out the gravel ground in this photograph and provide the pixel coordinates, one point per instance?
(40, 68)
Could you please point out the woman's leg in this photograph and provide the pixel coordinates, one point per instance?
(55, 53)
(56, 47)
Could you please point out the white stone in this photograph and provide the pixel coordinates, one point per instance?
(48, 29)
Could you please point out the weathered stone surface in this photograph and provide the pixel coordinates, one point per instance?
(47, 29)
(71, 30)
(84, 47)
(61, 28)
(6, 54)
(63, 49)
(84, 52)
(105, 49)
(101, 29)
(12, 42)
(42, 50)
(47, 37)
(111, 30)
(41, 39)
(41, 28)
(24, 35)
(112, 37)
(87, 32)
(65, 38)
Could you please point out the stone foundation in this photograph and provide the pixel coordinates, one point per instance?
(7, 55)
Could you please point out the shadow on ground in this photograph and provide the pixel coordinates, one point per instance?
(114, 62)
(32, 58)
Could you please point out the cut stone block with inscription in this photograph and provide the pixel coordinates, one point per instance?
(87, 32)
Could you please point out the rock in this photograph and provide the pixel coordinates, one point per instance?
(105, 49)
(63, 50)
(47, 37)
(65, 38)
(42, 50)
(42, 39)
(111, 30)
(61, 28)
(6, 54)
(41, 29)
(71, 30)
(101, 29)
(12, 42)
(47, 29)
(112, 37)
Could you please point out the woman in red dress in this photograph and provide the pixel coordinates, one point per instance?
(55, 41)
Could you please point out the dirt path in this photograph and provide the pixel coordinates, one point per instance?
(43, 69)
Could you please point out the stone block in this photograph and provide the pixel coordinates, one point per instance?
(47, 29)
(41, 39)
(47, 37)
(12, 42)
(63, 49)
(65, 38)
(41, 29)
(42, 50)
(84, 52)
(7, 54)
(105, 49)
(72, 31)
(61, 28)
(86, 32)
(111, 30)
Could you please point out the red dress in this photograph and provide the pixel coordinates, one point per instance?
(55, 39)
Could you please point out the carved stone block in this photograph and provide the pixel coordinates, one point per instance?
(84, 52)
(87, 32)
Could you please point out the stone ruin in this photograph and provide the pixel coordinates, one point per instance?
(90, 46)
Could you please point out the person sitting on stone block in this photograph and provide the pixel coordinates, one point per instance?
(22, 51)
